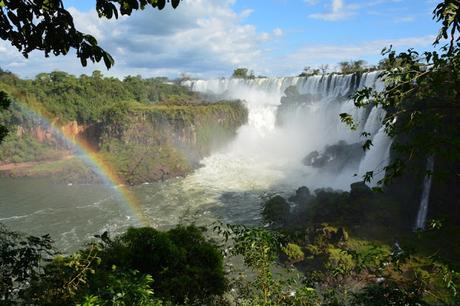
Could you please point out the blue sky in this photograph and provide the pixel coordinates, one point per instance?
(209, 38)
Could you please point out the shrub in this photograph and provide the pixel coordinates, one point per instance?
(21, 258)
(183, 264)
(339, 261)
(276, 210)
(293, 252)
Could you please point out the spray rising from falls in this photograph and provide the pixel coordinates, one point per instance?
(294, 135)
(423, 210)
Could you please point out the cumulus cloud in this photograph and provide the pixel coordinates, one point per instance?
(201, 35)
(203, 38)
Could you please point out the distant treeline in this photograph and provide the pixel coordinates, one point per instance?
(84, 98)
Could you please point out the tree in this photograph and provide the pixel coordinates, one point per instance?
(422, 100)
(242, 73)
(308, 71)
(21, 260)
(47, 26)
(183, 263)
(324, 68)
(352, 66)
(4, 104)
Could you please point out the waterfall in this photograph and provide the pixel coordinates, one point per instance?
(424, 201)
(266, 152)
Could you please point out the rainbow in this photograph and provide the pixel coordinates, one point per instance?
(90, 157)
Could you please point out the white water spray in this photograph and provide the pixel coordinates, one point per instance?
(420, 223)
(265, 154)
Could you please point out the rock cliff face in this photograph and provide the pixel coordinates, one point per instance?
(148, 144)
(59, 137)
(142, 143)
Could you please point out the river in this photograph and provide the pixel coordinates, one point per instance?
(72, 214)
(263, 159)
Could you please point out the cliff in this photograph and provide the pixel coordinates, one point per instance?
(141, 142)
(148, 143)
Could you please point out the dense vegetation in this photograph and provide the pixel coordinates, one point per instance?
(422, 101)
(141, 267)
(321, 248)
(85, 98)
(355, 248)
(147, 129)
(348, 248)
(145, 143)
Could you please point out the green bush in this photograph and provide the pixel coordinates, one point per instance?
(183, 264)
(21, 259)
(339, 261)
(141, 267)
(293, 252)
(276, 210)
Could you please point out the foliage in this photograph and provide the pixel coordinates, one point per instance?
(156, 142)
(86, 98)
(147, 129)
(388, 293)
(339, 261)
(352, 66)
(147, 267)
(259, 249)
(293, 252)
(21, 260)
(4, 104)
(421, 98)
(66, 279)
(308, 71)
(242, 73)
(184, 265)
(276, 210)
(141, 267)
(125, 288)
(47, 26)
(15, 149)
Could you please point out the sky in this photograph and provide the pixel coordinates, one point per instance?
(210, 38)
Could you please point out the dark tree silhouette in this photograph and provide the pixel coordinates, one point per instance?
(47, 26)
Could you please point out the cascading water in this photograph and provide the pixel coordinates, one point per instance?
(425, 200)
(267, 153)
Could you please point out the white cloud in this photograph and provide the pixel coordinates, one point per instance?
(204, 38)
(338, 11)
(315, 55)
(200, 36)
(278, 32)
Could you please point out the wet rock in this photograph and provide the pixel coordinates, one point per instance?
(335, 158)
(291, 102)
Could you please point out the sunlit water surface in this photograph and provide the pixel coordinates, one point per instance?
(263, 159)
(73, 214)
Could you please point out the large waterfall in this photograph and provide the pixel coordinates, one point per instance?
(425, 199)
(296, 143)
